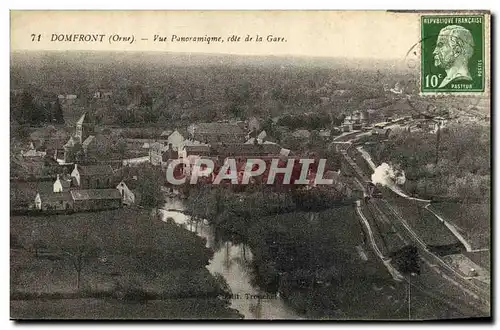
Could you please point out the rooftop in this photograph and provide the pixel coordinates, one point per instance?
(55, 197)
(95, 169)
(88, 141)
(82, 119)
(246, 149)
(197, 148)
(217, 128)
(90, 194)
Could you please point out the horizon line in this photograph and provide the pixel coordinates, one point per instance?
(204, 53)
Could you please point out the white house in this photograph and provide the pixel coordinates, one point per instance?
(155, 153)
(57, 186)
(128, 197)
(38, 201)
(76, 174)
(32, 152)
(176, 140)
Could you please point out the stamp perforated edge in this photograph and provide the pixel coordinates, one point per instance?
(486, 53)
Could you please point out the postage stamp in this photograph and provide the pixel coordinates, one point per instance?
(452, 53)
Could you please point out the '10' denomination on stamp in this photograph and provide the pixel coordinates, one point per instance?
(452, 53)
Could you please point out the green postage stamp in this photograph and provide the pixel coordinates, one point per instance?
(452, 53)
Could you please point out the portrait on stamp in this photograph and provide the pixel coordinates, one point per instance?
(454, 48)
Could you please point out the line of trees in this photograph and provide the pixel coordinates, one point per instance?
(457, 165)
(26, 109)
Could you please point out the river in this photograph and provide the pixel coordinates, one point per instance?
(233, 263)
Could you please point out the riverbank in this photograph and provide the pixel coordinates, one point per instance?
(310, 260)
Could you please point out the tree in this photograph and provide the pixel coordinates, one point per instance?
(57, 113)
(78, 246)
(149, 187)
(121, 148)
(22, 107)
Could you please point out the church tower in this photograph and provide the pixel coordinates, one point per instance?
(83, 128)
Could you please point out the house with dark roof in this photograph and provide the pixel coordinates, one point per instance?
(213, 133)
(93, 176)
(53, 197)
(50, 201)
(194, 150)
(245, 150)
(96, 199)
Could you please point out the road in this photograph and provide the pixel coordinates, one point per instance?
(473, 296)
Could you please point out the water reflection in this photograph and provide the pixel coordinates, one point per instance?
(233, 262)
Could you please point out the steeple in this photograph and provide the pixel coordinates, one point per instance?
(83, 128)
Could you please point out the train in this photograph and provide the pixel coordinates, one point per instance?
(372, 190)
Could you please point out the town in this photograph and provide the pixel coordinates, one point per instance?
(79, 181)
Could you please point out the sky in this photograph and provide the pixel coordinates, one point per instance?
(351, 34)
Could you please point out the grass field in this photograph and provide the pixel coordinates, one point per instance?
(472, 220)
(123, 252)
(181, 308)
(423, 222)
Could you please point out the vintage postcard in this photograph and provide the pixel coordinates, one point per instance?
(296, 165)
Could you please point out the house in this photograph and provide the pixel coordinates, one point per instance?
(96, 199)
(262, 135)
(53, 197)
(61, 185)
(155, 153)
(166, 133)
(50, 140)
(195, 150)
(93, 176)
(137, 144)
(169, 154)
(260, 138)
(285, 152)
(32, 152)
(241, 150)
(128, 197)
(212, 133)
(176, 139)
(258, 141)
(61, 201)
